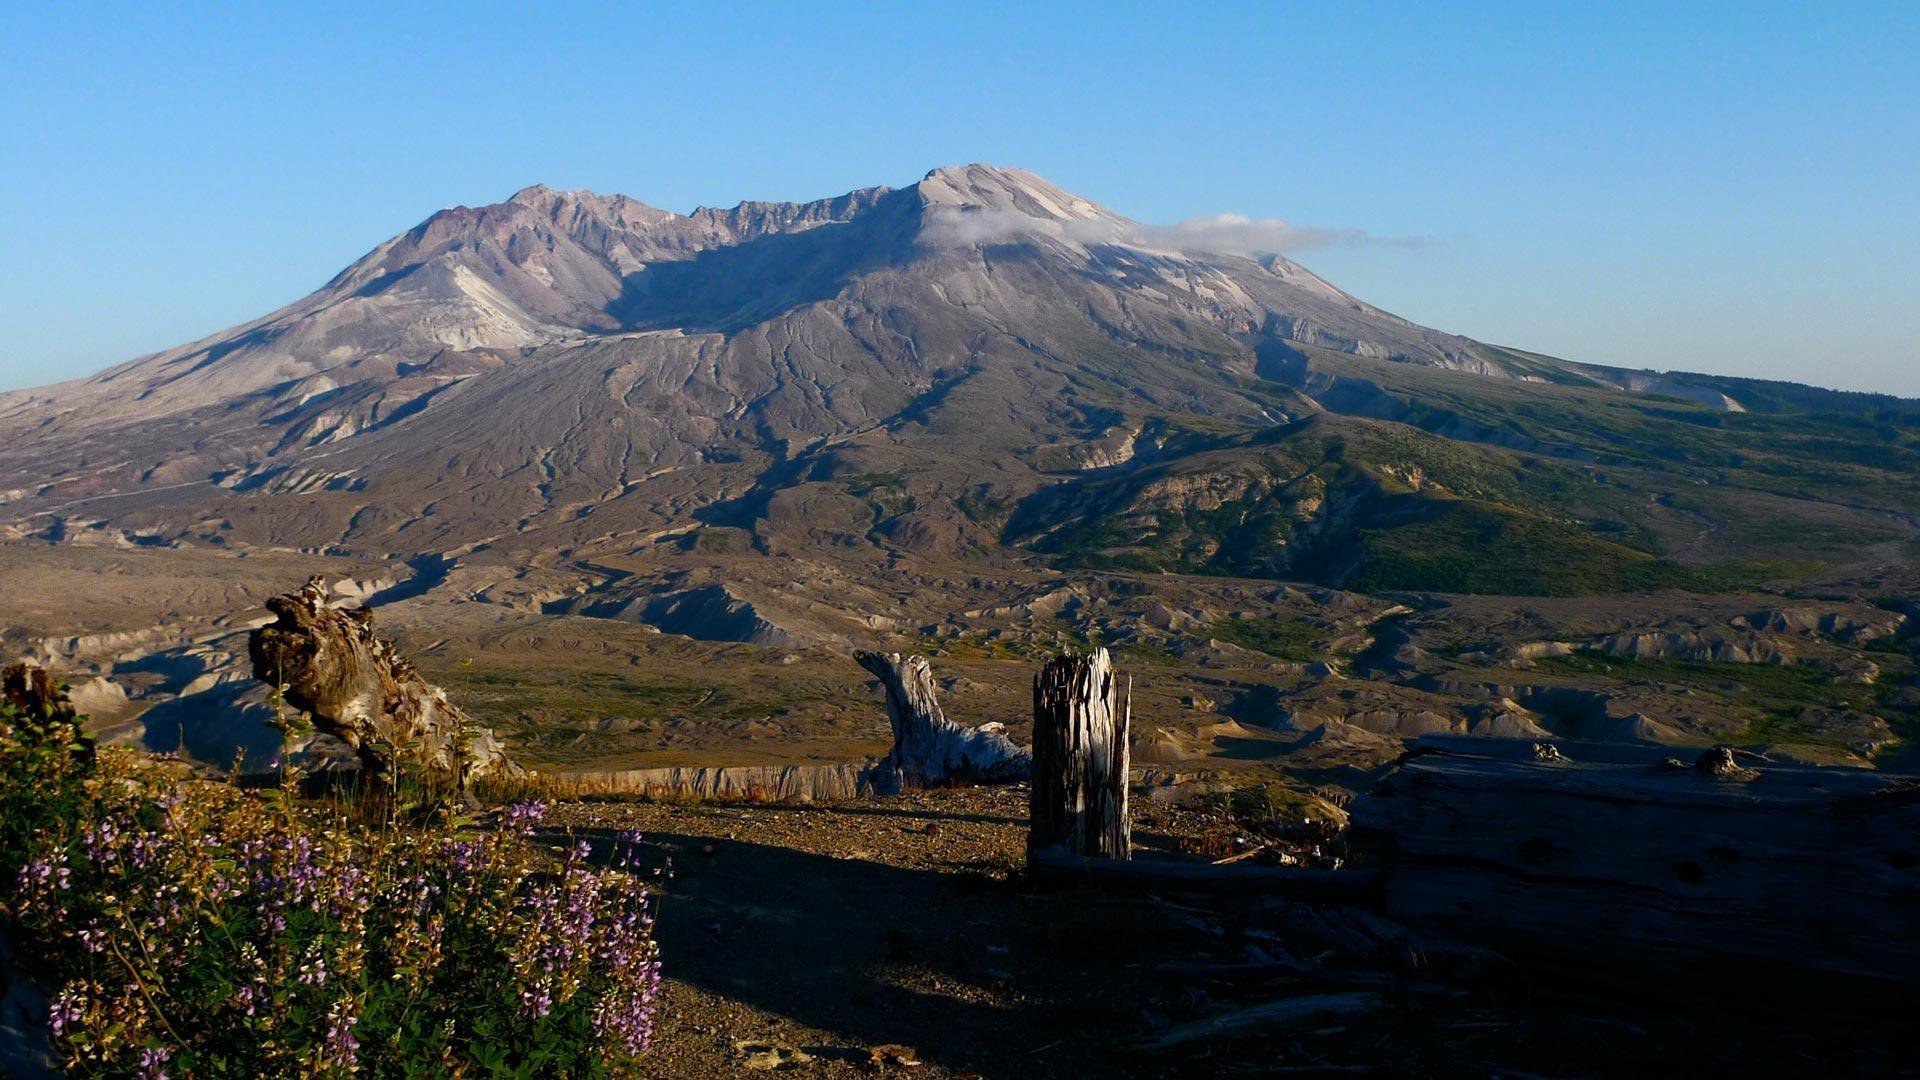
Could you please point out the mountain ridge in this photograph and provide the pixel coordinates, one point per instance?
(476, 277)
(567, 369)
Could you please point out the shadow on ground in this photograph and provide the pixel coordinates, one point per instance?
(977, 974)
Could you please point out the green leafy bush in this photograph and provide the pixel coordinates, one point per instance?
(197, 928)
(46, 760)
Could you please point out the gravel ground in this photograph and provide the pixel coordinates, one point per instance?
(902, 922)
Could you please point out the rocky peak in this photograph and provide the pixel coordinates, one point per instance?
(753, 218)
(988, 187)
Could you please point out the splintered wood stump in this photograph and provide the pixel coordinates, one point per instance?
(930, 750)
(1080, 722)
(1653, 859)
(329, 663)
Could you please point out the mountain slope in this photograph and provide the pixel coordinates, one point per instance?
(979, 366)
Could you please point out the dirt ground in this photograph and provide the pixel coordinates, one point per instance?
(906, 928)
(836, 930)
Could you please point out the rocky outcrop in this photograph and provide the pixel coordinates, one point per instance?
(709, 612)
(1853, 627)
(118, 642)
(1539, 650)
(1116, 447)
(741, 783)
(1576, 713)
(1683, 645)
(100, 699)
(1790, 638)
(362, 589)
(1502, 719)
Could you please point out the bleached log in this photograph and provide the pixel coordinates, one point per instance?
(1633, 856)
(329, 663)
(1327, 886)
(930, 750)
(1080, 757)
(1272, 1017)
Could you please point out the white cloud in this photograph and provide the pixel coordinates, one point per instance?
(1237, 233)
(964, 228)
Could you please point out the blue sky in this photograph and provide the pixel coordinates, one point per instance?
(1725, 188)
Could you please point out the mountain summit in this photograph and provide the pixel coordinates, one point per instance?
(546, 266)
(1027, 370)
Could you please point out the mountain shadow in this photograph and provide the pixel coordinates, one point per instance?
(728, 288)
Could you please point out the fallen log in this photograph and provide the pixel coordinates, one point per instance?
(1272, 1016)
(1081, 718)
(1625, 855)
(1328, 886)
(328, 663)
(930, 750)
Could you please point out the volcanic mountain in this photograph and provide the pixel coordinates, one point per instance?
(979, 366)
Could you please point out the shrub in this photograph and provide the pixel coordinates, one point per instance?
(46, 759)
(197, 928)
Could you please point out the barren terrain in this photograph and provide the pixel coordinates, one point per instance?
(841, 931)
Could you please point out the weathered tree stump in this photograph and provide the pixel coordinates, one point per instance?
(930, 750)
(28, 687)
(329, 663)
(1080, 730)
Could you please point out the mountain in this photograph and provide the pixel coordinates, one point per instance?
(980, 366)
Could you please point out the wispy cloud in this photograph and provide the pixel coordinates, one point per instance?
(1237, 233)
(1220, 234)
(989, 225)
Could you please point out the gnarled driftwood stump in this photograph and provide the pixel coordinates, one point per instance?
(26, 686)
(930, 750)
(329, 663)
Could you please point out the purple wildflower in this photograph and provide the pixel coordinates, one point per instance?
(65, 1013)
(314, 971)
(340, 1050)
(249, 999)
(521, 817)
(44, 876)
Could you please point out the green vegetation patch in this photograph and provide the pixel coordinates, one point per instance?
(865, 484)
(584, 716)
(1286, 639)
(1777, 697)
(1481, 548)
(1782, 682)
